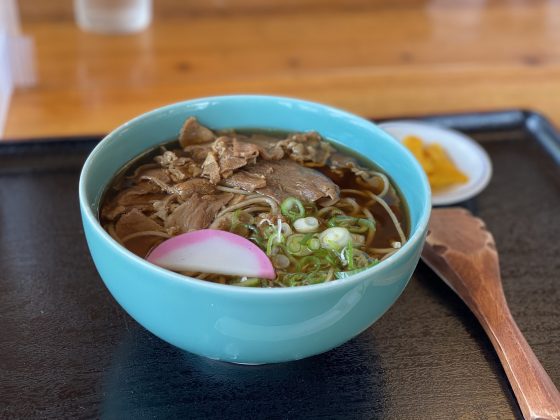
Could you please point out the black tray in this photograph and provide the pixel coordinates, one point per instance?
(68, 350)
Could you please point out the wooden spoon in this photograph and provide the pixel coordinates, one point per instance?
(463, 253)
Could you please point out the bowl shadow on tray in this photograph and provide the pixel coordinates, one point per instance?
(446, 297)
(149, 378)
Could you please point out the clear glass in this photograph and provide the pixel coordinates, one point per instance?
(113, 16)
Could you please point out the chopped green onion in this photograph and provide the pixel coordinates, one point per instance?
(296, 244)
(252, 228)
(316, 277)
(335, 238)
(340, 220)
(306, 224)
(353, 224)
(314, 244)
(270, 243)
(348, 253)
(307, 237)
(328, 255)
(292, 208)
(284, 248)
(269, 230)
(235, 217)
(346, 274)
(250, 282)
(361, 259)
(292, 279)
(258, 240)
(310, 260)
(363, 226)
(280, 261)
(299, 279)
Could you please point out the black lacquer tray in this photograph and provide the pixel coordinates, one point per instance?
(67, 350)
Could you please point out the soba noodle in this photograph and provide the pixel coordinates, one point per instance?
(294, 232)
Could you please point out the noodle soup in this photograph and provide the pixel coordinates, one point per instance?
(319, 213)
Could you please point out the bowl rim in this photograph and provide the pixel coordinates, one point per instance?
(89, 216)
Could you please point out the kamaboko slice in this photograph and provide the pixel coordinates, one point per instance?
(213, 251)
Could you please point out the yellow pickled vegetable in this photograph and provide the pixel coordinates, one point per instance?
(439, 167)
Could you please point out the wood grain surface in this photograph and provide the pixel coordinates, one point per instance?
(382, 58)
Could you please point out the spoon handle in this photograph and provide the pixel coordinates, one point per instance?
(536, 394)
(463, 253)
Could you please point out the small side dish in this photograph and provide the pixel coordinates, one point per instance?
(458, 168)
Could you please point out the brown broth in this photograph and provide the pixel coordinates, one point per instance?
(386, 232)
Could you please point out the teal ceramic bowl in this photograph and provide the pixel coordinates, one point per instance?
(248, 325)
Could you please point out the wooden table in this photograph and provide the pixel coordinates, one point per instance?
(383, 58)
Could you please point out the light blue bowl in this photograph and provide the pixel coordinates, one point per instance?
(247, 325)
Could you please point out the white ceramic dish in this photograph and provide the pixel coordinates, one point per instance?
(464, 151)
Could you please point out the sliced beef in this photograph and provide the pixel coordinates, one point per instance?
(307, 148)
(227, 155)
(168, 159)
(195, 185)
(140, 196)
(163, 186)
(340, 161)
(211, 168)
(269, 147)
(134, 222)
(190, 169)
(177, 166)
(163, 207)
(245, 181)
(234, 154)
(286, 178)
(229, 163)
(244, 150)
(198, 152)
(226, 222)
(194, 133)
(197, 212)
(137, 172)
(156, 176)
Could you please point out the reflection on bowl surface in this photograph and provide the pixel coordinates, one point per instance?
(247, 325)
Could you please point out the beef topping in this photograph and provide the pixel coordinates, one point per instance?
(136, 222)
(138, 196)
(269, 147)
(198, 152)
(307, 148)
(227, 155)
(245, 181)
(286, 178)
(199, 185)
(211, 168)
(194, 133)
(197, 212)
